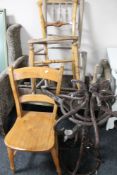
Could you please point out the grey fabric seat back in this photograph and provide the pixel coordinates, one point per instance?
(14, 42)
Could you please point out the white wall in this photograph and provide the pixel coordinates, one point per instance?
(24, 12)
(99, 31)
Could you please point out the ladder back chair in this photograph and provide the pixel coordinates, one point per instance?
(33, 130)
(64, 42)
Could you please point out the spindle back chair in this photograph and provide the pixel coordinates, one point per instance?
(64, 42)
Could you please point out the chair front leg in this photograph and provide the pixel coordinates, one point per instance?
(56, 160)
(11, 158)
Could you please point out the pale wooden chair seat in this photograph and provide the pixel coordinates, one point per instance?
(32, 132)
(53, 39)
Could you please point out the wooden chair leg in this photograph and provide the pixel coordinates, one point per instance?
(56, 160)
(31, 63)
(56, 145)
(11, 158)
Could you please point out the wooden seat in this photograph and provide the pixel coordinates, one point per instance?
(33, 130)
(36, 132)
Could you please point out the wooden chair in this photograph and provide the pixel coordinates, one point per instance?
(66, 42)
(33, 131)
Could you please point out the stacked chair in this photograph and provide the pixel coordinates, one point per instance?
(33, 131)
(60, 18)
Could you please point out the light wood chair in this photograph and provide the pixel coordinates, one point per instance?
(33, 131)
(66, 42)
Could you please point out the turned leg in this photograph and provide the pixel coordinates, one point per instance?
(31, 63)
(11, 158)
(56, 160)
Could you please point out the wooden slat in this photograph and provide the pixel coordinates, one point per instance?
(52, 47)
(37, 72)
(36, 98)
(57, 24)
(52, 39)
(59, 1)
(52, 61)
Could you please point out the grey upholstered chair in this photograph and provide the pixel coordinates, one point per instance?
(17, 60)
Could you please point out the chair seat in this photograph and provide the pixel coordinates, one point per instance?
(53, 39)
(33, 132)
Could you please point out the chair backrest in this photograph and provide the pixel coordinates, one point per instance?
(33, 72)
(61, 8)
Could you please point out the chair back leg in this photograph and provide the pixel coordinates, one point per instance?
(11, 158)
(56, 160)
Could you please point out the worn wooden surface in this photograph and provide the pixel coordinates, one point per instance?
(33, 131)
(47, 40)
(53, 39)
(46, 73)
